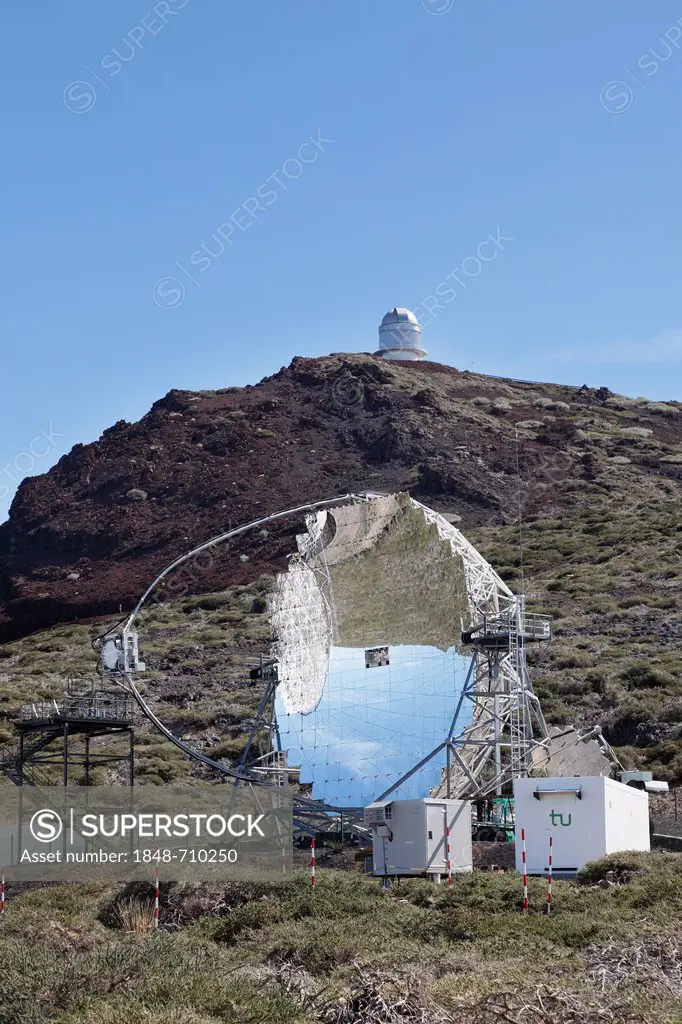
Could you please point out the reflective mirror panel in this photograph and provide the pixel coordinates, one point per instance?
(373, 725)
(368, 623)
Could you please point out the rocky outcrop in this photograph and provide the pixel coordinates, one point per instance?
(86, 537)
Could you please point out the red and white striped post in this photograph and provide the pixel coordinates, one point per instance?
(525, 870)
(549, 877)
(448, 854)
(3, 875)
(156, 898)
(312, 862)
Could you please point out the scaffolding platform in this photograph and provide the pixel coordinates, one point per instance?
(84, 713)
(494, 631)
(60, 732)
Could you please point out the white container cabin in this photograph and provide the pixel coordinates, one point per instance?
(409, 837)
(587, 817)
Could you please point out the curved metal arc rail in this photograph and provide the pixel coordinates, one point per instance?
(223, 537)
(240, 774)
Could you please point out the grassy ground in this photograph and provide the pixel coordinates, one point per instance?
(607, 565)
(347, 953)
(611, 575)
(198, 653)
(615, 658)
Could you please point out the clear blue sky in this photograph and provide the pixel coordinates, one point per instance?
(447, 124)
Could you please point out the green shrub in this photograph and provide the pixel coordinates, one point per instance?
(619, 864)
(232, 747)
(573, 660)
(641, 675)
(208, 602)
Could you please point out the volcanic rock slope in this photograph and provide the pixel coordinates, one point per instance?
(592, 479)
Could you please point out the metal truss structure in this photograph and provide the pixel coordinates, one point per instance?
(301, 619)
(505, 719)
(55, 739)
(498, 722)
(484, 587)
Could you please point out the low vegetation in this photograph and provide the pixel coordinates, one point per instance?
(614, 660)
(610, 574)
(349, 953)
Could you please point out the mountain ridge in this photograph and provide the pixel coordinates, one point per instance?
(572, 494)
(85, 538)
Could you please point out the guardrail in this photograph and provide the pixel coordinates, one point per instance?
(95, 707)
(531, 626)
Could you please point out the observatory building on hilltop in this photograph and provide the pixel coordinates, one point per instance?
(400, 336)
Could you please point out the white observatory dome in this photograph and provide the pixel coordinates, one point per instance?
(400, 336)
